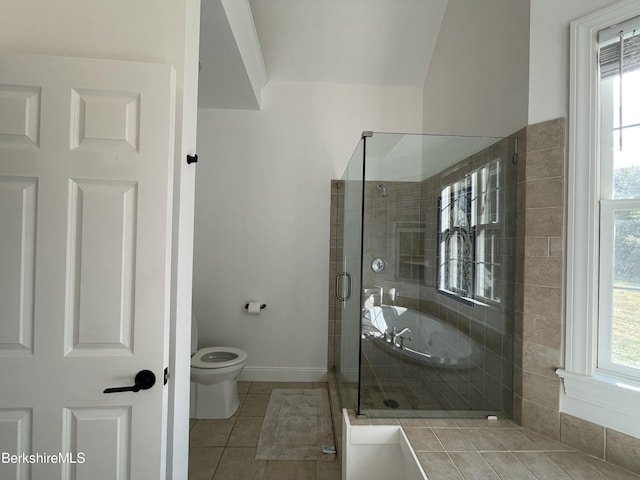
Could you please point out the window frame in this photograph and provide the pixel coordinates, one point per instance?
(479, 224)
(601, 397)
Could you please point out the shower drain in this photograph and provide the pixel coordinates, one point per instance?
(390, 403)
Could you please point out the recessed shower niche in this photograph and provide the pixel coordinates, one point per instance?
(424, 276)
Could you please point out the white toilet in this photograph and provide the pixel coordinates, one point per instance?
(214, 373)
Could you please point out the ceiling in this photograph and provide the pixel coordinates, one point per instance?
(369, 42)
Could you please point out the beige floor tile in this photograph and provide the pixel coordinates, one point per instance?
(211, 433)
(239, 463)
(291, 470)
(203, 462)
(413, 422)
(485, 440)
(243, 387)
(266, 387)
(329, 470)
(608, 470)
(245, 432)
(442, 422)
(541, 466)
(515, 439)
(544, 443)
(438, 466)
(575, 465)
(507, 466)
(472, 466)
(455, 439)
(482, 423)
(423, 440)
(255, 405)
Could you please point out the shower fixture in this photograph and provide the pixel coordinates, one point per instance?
(383, 189)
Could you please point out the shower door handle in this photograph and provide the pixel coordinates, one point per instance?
(339, 296)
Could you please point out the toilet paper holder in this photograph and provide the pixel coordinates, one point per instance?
(262, 307)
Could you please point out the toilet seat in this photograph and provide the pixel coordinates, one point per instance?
(217, 357)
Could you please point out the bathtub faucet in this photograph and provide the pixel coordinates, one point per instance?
(402, 334)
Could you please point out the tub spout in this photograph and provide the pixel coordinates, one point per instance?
(397, 338)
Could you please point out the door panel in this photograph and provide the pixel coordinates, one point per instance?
(86, 162)
(83, 430)
(101, 269)
(20, 121)
(15, 438)
(17, 257)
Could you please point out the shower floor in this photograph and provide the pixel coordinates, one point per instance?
(387, 390)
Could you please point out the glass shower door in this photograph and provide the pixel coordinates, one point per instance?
(349, 280)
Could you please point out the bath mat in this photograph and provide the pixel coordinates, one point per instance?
(297, 426)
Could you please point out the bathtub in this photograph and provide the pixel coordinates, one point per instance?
(432, 341)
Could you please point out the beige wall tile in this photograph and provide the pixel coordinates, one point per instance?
(583, 435)
(541, 271)
(544, 391)
(540, 359)
(545, 421)
(548, 192)
(546, 135)
(541, 300)
(543, 222)
(545, 164)
(536, 247)
(555, 247)
(542, 330)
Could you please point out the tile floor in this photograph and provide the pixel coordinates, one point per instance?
(467, 449)
(225, 449)
(448, 449)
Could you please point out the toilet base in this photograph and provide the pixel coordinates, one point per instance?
(217, 401)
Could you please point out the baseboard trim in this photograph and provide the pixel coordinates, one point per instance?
(283, 374)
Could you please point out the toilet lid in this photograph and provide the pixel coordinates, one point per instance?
(218, 357)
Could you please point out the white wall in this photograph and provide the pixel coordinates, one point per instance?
(477, 82)
(549, 55)
(262, 216)
(148, 31)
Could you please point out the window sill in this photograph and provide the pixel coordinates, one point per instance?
(471, 302)
(605, 400)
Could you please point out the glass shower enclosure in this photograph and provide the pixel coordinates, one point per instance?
(424, 293)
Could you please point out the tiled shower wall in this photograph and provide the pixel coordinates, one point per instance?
(401, 227)
(538, 303)
(539, 316)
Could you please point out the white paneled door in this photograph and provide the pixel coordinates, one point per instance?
(86, 155)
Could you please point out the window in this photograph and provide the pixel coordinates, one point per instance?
(619, 292)
(601, 375)
(468, 233)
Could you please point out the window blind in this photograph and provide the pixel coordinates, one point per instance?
(626, 36)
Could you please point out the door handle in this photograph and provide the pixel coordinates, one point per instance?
(339, 296)
(145, 379)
